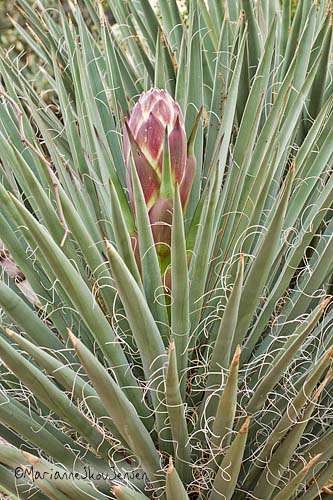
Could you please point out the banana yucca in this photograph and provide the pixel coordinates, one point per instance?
(167, 252)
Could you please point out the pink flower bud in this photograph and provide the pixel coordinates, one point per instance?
(155, 111)
(156, 123)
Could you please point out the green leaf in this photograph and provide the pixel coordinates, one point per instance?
(310, 227)
(291, 346)
(151, 273)
(225, 336)
(226, 408)
(319, 83)
(159, 63)
(322, 479)
(115, 79)
(219, 93)
(227, 475)
(180, 320)
(145, 332)
(123, 493)
(288, 492)
(254, 40)
(246, 137)
(76, 288)
(286, 19)
(292, 41)
(26, 319)
(288, 418)
(200, 259)
(194, 100)
(261, 266)
(122, 236)
(121, 410)
(14, 416)
(67, 377)
(176, 411)
(174, 485)
(52, 397)
(182, 75)
(282, 455)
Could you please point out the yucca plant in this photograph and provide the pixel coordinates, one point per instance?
(167, 253)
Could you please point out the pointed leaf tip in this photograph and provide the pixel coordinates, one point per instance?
(329, 354)
(171, 345)
(72, 337)
(170, 467)
(108, 245)
(193, 134)
(245, 426)
(8, 332)
(31, 458)
(326, 302)
(322, 386)
(237, 354)
(311, 462)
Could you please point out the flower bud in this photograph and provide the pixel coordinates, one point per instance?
(154, 134)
